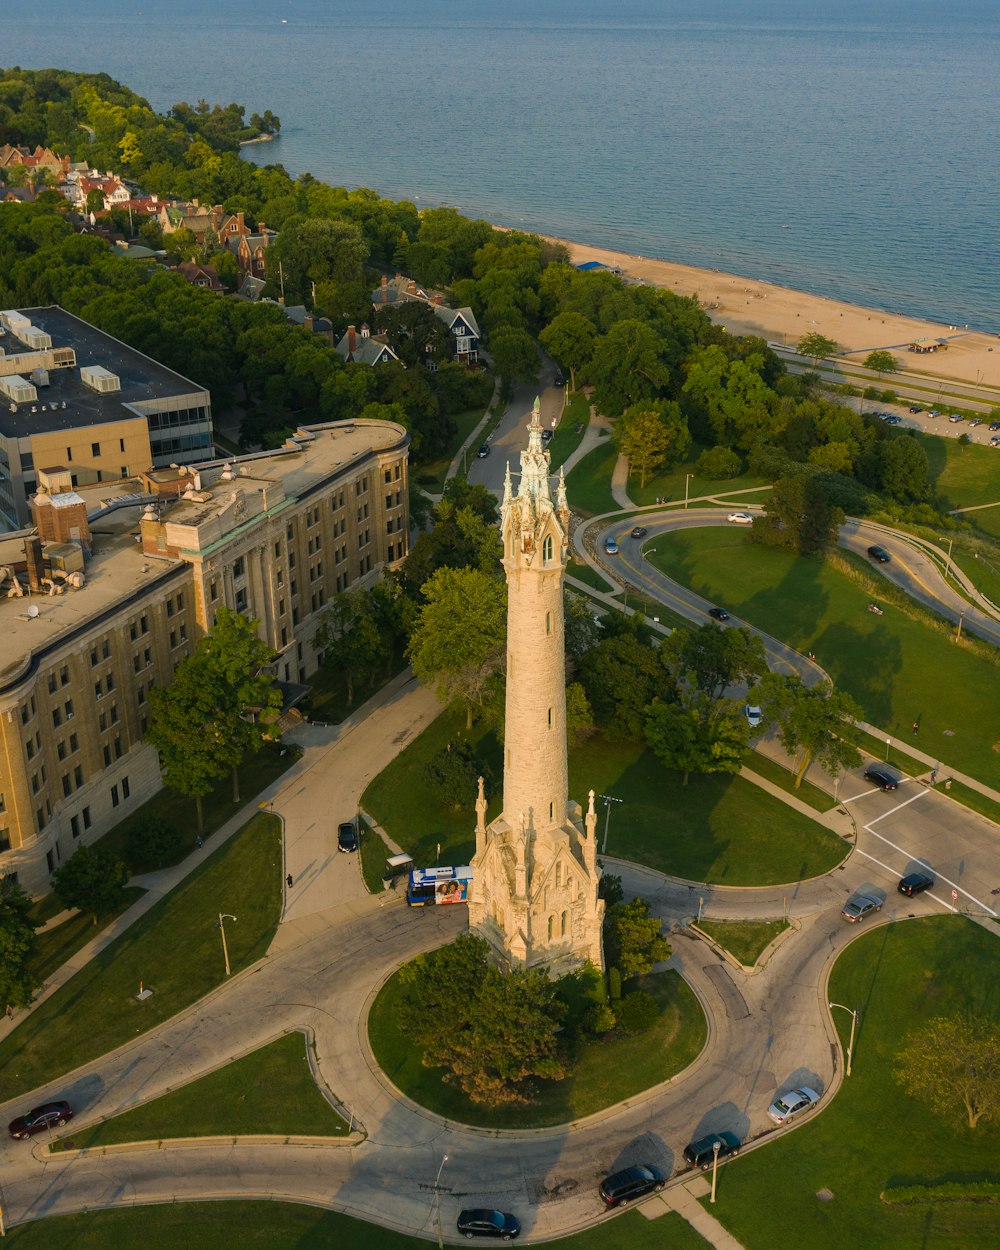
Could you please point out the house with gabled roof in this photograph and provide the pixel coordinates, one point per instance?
(465, 330)
(364, 348)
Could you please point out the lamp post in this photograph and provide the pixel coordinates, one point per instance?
(947, 563)
(687, 480)
(854, 1021)
(961, 622)
(888, 744)
(437, 1202)
(223, 916)
(715, 1165)
(607, 800)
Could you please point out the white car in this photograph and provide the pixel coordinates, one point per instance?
(740, 518)
(792, 1103)
(754, 716)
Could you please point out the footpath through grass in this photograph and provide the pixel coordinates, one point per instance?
(175, 950)
(898, 668)
(290, 1226)
(271, 1090)
(778, 775)
(872, 1135)
(56, 945)
(605, 1073)
(588, 487)
(722, 830)
(569, 433)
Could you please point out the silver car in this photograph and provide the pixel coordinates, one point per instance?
(792, 1103)
(860, 905)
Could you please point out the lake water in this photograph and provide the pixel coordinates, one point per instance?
(848, 147)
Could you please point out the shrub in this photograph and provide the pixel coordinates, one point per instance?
(610, 889)
(719, 463)
(454, 773)
(637, 1012)
(151, 841)
(614, 984)
(599, 1020)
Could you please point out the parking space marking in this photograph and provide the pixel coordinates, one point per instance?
(940, 877)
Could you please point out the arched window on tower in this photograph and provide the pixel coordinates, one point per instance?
(558, 874)
(564, 923)
(550, 718)
(551, 926)
(548, 622)
(547, 548)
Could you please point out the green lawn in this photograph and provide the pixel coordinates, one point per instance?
(746, 940)
(872, 1135)
(256, 773)
(778, 775)
(374, 852)
(986, 519)
(56, 945)
(287, 1226)
(570, 431)
(585, 573)
(327, 698)
(431, 476)
(588, 486)
(718, 829)
(174, 949)
(896, 666)
(605, 1072)
(271, 1090)
(961, 474)
(669, 485)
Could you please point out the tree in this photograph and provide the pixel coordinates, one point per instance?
(881, 362)
(579, 714)
(817, 346)
(352, 639)
(316, 250)
(952, 1062)
(650, 436)
(438, 990)
(904, 469)
(714, 658)
(460, 634)
(569, 338)
(179, 715)
(633, 939)
(454, 771)
(698, 735)
(18, 944)
(798, 514)
(621, 676)
(813, 720)
(93, 879)
(627, 366)
(152, 841)
(515, 354)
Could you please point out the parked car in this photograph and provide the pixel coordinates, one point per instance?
(718, 614)
(893, 418)
(621, 1188)
(481, 1222)
(955, 418)
(879, 554)
(701, 1153)
(995, 440)
(753, 714)
(347, 836)
(934, 413)
(611, 545)
(995, 425)
(860, 905)
(740, 518)
(793, 1103)
(975, 422)
(915, 883)
(48, 1115)
(638, 531)
(915, 408)
(546, 437)
(483, 452)
(557, 380)
(883, 776)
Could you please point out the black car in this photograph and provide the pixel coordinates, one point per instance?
(623, 1187)
(995, 425)
(557, 380)
(48, 1115)
(915, 408)
(915, 883)
(480, 1222)
(347, 836)
(483, 452)
(546, 436)
(701, 1153)
(638, 531)
(882, 776)
(718, 614)
(879, 554)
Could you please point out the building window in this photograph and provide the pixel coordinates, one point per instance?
(74, 826)
(125, 788)
(73, 743)
(564, 923)
(551, 926)
(548, 622)
(95, 449)
(107, 756)
(239, 568)
(78, 776)
(86, 817)
(241, 599)
(550, 718)
(547, 548)
(114, 796)
(56, 718)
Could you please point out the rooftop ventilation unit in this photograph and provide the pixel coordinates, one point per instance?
(34, 338)
(100, 379)
(18, 389)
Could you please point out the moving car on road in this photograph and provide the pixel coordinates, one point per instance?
(915, 883)
(49, 1114)
(754, 715)
(347, 836)
(718, 614)
(610, 545)
(483, 452)
(481, 1222)
(638, 531)
(879, 554)
(792, 1103)
(860, 905)
(883, 776)
(740, 518)
(621, 1188)
(701, 1153)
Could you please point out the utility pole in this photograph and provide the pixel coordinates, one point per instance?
(223, 916)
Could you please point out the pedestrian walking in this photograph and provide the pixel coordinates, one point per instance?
(289, 880)
(916, 726)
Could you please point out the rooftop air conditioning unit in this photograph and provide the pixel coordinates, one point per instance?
(100, 379)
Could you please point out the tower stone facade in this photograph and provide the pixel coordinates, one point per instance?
(534, 893)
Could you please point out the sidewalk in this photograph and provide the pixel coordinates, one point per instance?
(684, 1200)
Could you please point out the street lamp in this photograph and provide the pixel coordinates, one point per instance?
(961, 622)
(437, 1202)
(854, 1022)
(222, 929)
(715, 1165)
(607, 800)
(687, 479)
(888, 744)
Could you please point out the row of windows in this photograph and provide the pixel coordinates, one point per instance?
(183, 442)
(181, 416)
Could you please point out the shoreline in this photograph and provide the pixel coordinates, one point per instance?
(782, 315)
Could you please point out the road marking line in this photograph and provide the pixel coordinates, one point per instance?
(916, 859)
(898, 808)
(875, 860)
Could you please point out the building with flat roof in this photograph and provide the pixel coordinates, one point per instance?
(73, 396)
(116, 582)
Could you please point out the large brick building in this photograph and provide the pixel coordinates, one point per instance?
(115, 583)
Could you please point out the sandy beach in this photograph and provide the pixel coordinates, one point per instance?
(782, 315)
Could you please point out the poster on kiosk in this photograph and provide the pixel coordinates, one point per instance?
(429, 886)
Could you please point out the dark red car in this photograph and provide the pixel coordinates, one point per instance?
(48, 1115)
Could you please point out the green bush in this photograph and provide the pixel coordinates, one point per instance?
(719, 464)
(636, 1013)
(614, 984)
(151, 841)
(454, 773)
(947, 1191)
(599, 1020)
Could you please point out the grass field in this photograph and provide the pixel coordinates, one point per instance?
(286, 1226)
(174, 949)
(374, 853)
(588, 486)
(778, 775)
(669, 485)
(745, 940)
(56, 945)
(605, 1073)
(271, 1090)
(896, 667)
(872, 1135)
(961, 474)
(569, 433)
(717, 829)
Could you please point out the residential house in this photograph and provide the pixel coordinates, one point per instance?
(364, 348)
(41, 158)
(204, 276)
(111, 188)
(460, 321)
